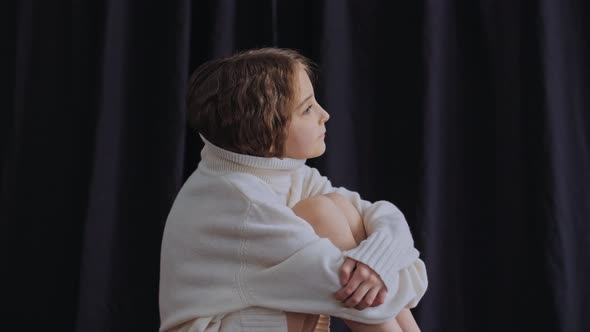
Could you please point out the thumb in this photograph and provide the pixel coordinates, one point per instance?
(346, 270)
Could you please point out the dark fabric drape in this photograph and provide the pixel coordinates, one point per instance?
(507, 182)
(472, 117)
(93, 160)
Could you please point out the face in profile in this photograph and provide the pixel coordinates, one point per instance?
(307, 130)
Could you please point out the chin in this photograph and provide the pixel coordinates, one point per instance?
(318, 153)
(308, 153)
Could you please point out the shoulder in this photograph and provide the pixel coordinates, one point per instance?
(243, 187)
(251, 188)
(312, 175)
(313, 182)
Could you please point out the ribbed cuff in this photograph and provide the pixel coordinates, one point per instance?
(384, 255)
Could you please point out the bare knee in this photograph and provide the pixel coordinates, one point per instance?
(327, 220)
(352, 215)
(320, 212)
(312, 209)
(347, 208)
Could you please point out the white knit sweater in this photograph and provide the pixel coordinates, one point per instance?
(235, 257)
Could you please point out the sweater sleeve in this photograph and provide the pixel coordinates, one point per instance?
(306, 280)
(389, 247)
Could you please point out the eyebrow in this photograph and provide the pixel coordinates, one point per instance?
(305, 100)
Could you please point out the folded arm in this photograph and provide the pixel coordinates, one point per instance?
(307, 279)
(389, 246)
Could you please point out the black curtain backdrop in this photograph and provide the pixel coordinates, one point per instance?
(471, 116)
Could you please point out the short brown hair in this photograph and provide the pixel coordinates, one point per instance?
(243, 102)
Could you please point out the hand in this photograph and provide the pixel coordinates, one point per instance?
(361, 286)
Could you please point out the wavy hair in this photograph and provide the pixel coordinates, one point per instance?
(243, 103)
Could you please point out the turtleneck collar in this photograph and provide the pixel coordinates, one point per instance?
(219, 159)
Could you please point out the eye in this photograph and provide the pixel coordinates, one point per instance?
(307, 110)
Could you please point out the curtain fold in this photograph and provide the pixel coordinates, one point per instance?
(472, 117)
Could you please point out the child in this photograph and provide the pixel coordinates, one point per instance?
(258, 241)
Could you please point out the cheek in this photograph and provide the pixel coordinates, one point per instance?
(300, 141)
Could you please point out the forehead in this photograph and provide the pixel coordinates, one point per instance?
(303, 83)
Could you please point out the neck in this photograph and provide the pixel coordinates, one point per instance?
(219, 159)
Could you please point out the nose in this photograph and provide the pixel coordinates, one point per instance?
(325, 116)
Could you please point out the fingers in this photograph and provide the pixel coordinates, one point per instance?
(380, 298)
(368, 299)
(361, 274)
(346, 270)
(346, 291)
(358, 295)
(362, 287)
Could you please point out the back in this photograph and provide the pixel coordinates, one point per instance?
(201, 249)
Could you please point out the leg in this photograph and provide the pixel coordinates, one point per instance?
(355, 222)
(333, 217)
(328, 221)
(404, 320)
(301, 322)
